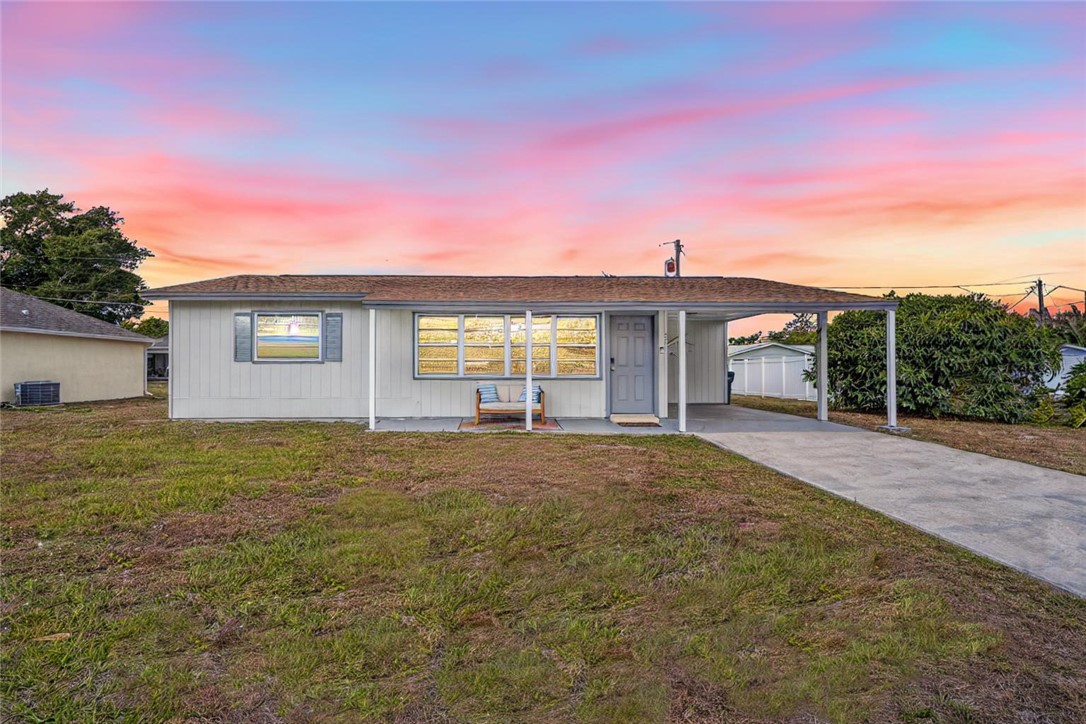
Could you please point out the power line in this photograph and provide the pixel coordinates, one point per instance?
(929, 286)
(1024, 297)
(85, 301)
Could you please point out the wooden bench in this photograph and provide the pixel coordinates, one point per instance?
(507, 403)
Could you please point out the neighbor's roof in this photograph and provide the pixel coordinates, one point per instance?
(24, 313)
(162, 344)
(499, 289)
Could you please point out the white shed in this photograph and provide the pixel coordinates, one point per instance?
(772, 369)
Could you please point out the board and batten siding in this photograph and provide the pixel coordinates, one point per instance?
(704, 362)
(206, 382)
(400, 394)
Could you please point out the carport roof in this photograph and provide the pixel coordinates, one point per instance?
(429, 290)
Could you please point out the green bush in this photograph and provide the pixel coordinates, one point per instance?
(961, 355)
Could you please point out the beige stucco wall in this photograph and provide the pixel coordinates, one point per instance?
(87, 369)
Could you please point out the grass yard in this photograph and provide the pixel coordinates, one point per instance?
(1061, 448)
(170, 571)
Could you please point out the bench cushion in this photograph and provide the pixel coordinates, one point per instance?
(506, 406)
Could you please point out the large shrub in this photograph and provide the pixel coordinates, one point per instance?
(956, 355)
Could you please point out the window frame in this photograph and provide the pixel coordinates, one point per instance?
(257, 359)
(508, 374)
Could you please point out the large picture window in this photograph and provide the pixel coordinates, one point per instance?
(492, 345)
(287, 336)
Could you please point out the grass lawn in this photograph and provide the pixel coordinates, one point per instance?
(1062, 448)
(157, 571)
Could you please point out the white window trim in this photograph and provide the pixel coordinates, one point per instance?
(553, 344)
(257, 359)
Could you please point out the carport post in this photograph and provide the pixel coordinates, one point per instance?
(682, 370)
(373, 368)
(822, 365)
(528, 370)
(891, 369)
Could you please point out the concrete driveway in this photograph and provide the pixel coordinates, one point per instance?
(1027, 517)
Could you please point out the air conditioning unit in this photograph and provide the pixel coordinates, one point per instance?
(37, 393)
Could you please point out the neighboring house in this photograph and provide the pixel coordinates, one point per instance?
(381, 346)
(1071, 355)
(158, 359)
(772, 369)
(91, 359)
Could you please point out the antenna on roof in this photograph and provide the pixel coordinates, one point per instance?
(673, 266)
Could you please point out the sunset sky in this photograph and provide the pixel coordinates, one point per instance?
(827, 144)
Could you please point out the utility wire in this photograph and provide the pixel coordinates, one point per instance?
(929, 286)
(1024, 297)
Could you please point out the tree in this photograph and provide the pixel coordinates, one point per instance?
(1069, 326)
(749, 339)
(77, 260)
(961, 355)
(802, 329)
(153, 327)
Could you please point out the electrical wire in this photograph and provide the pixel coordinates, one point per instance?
(1024, 297)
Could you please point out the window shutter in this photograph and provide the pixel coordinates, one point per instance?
(243, 337)
(333, 337)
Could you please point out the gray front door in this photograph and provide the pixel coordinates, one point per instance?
(632, 364)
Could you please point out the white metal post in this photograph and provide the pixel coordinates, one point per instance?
(171, 363)
(661, 367)
(373, 368)
(682, 370)
(822, 362)
(727, 367)
(891, 368)
(761, 369)
(528, 370)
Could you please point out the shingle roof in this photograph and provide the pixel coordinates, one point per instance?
(22, 312)
(398, 288)
(734, 350)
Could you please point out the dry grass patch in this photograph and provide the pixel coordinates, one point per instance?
(313, 571)
(1060, 448)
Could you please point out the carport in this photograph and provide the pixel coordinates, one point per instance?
(726, 313)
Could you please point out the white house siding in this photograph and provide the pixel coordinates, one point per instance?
(704, 362)
(400, 394)
(206, 382)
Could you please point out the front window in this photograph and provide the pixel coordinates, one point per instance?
(287, 336)
(438, 345)
(491, 345)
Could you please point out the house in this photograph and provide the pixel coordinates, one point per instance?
(158, 359)
(91, 359)
(340, 347)
(1070, 355)
(772, 369)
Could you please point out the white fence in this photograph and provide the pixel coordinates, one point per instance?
(773, 377)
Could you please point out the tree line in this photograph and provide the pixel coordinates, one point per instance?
(79, 260)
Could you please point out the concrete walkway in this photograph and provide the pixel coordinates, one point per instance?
(1027, 517)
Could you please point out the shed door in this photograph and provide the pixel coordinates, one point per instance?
(632, 364)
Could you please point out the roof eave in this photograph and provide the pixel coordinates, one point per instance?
(167, 295)
(58, 333)
(755, 307)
